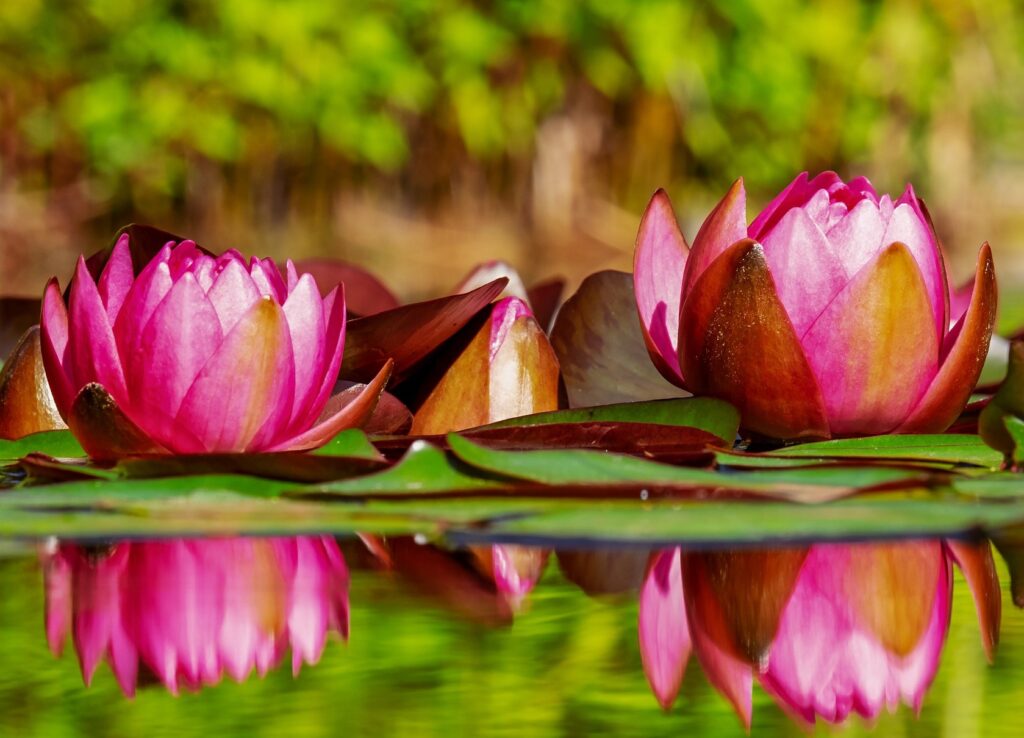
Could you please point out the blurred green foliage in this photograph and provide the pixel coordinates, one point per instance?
(128, 91)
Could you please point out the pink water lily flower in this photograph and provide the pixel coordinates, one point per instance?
(197, 354)
(827, 316)
(190, 611)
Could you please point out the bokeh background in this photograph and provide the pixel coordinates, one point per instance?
(418, 137)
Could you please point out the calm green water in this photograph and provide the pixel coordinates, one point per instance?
(428, 656)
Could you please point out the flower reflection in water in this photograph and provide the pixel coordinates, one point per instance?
(190, 610)
(827, 630)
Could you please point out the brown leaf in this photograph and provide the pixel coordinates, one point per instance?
(601, 349)
(410, 333)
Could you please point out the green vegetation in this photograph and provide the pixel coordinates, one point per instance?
(134, 93)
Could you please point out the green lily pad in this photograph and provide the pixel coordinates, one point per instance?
(703, 523)
(953, 448)
(118, 492)
(60, 444)
(598, 469)
(425, 469)
(704, 413)
(1015, 427)
(351, 443)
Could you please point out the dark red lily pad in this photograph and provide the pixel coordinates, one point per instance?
(668, 443)
(364, 293)
(291, 467)
(410, 333)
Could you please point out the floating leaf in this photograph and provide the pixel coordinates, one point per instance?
(424, 469)
(352, 443)
(597, 470)
(600, 346)
(58, 443)
(408, 334)
(703, 413)
(949, 447)
(296, 467)
(670, 443)
(701, 523)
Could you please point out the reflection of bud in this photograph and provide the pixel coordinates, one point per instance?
(190, 610)
(507, 369)
(832, 629)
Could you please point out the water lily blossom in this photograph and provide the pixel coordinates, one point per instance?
(197, 354)
(190, 611)
(828, 315)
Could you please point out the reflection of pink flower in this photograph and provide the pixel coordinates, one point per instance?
(834, 629)
(197, 354)
(190, 610)
(829, 315)
(664, 632)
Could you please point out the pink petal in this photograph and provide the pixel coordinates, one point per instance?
(92, 354)
(53, 343)
(796, 194)
(726, 225)
(292, 275)
(857, 237)
(117, 278)
(305, 315)
(808, 274)
(182, 257)
(149, 289)
(334, 347)
(664, 632)
(243, 395)
(503, 317)
(909, 226)
(963, 355)
(874, 349)
(268, 279)
(179, 339)
(350, 415)
(233, 293)
(658, 265)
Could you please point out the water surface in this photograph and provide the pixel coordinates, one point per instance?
(435, 647)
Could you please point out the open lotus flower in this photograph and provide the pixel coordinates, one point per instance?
(829, 630)
(827, 316)
(191, 610)
(197, 354)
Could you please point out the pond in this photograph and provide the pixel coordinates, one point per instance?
(247, 637)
